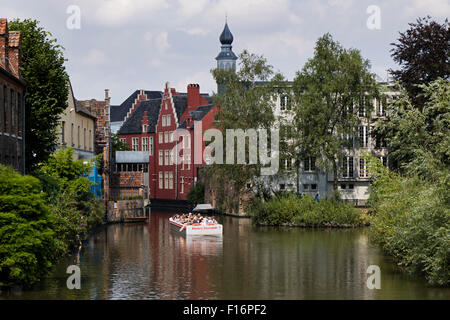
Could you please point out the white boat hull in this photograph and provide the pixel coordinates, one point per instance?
(198, 230)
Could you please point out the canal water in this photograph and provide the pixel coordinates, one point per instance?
(151, 261)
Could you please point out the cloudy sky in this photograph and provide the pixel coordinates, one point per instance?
(126, 45)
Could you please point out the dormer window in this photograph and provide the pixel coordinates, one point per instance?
(144, 128)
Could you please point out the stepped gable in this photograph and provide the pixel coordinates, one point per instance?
(119, 112)
(180, 104)
(133, 124)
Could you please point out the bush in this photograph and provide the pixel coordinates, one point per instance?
(69, 196)
(412, 221)
(288, 209)
(196, 194)
(28, 246)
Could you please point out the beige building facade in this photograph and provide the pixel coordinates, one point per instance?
(77, 129)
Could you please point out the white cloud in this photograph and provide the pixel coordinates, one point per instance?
(203, 78)
(95, 57)
(437, 8)
(196, 31)
(116, 13)
(189, 8)
(281, 43)
(162, 42)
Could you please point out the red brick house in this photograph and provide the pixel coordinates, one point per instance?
(150, 129)
(12, 101)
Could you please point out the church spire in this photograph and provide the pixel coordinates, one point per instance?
(226, 58)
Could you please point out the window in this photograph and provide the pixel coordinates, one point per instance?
(306, 187)
(381, 106)
(161, 160)
(309, 164)
(166, 137)
(90, 140)
(161, 180)
(166, 105)
(168, 120)
(171, 136)
(144, 144)
(151, 146)
(282, 186)
(144, 128)
(71, 135)
(84, 139)
(78, 137)
(160, 137)
(351, 186)
(188, 161)
(166, 180)
(171, 157)
(285, 103)
(362, 108)
(313, 186)
(362, 168)
(347, 167)
(135, 144)
(288, 163)
(12, 113)
(363, 136)
(63, 128)
(2, 108)
(343, 186)
(182, 185)
(163, 121)
(170, 180)
(166, 157)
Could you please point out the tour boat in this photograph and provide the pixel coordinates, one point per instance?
(210, 229)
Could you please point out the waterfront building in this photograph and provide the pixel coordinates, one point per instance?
(77, 128)
(353, 176)
(149, 130)
(12, 99)
(120, 113)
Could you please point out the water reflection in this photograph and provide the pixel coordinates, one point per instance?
(136, 261)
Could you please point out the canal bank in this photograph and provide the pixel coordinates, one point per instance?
(149, 261)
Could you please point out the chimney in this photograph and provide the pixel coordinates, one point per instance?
(106, 94)
(4, 34)
(193, 95)
(14, 53)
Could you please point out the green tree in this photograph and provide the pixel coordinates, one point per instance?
(44, 72)
(246, 103)
(69, 195)
(28, 246)
(118, 145)
(328, 93)
(415, 136)
(422, 53)
(197, 194)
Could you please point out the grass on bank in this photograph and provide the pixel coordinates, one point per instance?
(290, 210)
